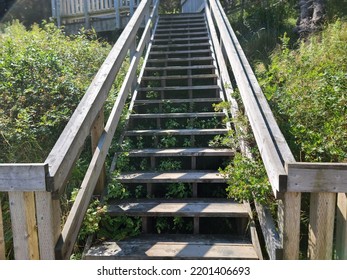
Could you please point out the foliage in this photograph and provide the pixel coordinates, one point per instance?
(43, 75)
(307, 90)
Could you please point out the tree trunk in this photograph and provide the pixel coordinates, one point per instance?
(312, 14)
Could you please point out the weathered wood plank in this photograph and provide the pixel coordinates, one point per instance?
(2, 236)
(187, 208)
(188, 45)
(25, 241)
(176, 132)
(96, 132)
(66, 150)
(178, 115)
(79, 208)
(289, 210)
(179, 247)
(48, 224)
(179, 59)
(171, 177)
(179, 77)
(207, 87)
(173, 40)
(271, 236)
(321, 226)
(23, 177)
(175, 101)
(193, 67)
(341, 227)
(317, 177)
(188, 152)
(179, 35)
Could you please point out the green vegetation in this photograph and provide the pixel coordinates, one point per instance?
(306, 88)
(43, 75)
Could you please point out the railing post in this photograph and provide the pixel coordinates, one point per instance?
(321, 227)
(96, 132)
(117, 12)
(289, 224)
(131, 7)
(341, 227)
(132, 52)
(24, 226)
(58, 12)
(86, 14)
(2, 236)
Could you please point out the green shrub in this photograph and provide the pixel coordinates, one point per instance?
(307, 91)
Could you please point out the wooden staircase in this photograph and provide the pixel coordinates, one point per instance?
(171, 123)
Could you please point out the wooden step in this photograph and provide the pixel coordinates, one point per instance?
(187, 132)
(178, 68)
(171, 177)
(178, 88)
(179, 59)
(173, 40)
(182, 152)
(181, 29)
(179, 52)
(177, 101)
(188, 45)
(178, 115)
(183, 15)
(179, 77)
(180, 20)
(180, 25)
(178, 208)
(175, 247)
(183, 34)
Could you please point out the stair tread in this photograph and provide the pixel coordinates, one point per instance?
(186, 28)
(170, 177)
(179, 88)
(193, 67)
(182, 45)
(179, 77)
(179, 59)
(178, 208)
(168, 246)
(183, 15)
(153, 132)
(181, 24)
(181, 152)
(168, 41)
(183, 100)
(178, 115)
(183, 34)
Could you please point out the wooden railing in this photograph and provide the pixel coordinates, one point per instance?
(34, 189)
(69, 11)
(287, 177)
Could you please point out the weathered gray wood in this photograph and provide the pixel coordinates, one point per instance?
(265, 128)
(174, 16)
(23, 177)
(341, 227)
(178, 115)
(271, 236)
(79, 208)
(179, 59)
(48, 224)
(159, 132)
(194, 23)
(174, 101)
(2, 236)
(24, 227)
(180, 29)
(188, 45)
(188, 152)
(321, 226)
(192, 6)
(177, 247)
(154, 53)
(179, 88)
(172, 40)
(179, 208)
(193, 67)
(317, 177)
(66, 150)
(179, 77)
(289, 210)
(172, 177)
(96, 132)
(167, 36)
(253, 230)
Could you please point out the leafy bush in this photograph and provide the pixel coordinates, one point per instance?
(307, 90)
(43, 75)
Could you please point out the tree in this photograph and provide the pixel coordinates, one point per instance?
(311, 17)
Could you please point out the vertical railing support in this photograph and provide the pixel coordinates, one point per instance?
(321, 226)
(2, 236)
(58, 12)
(86, 14)
(289, 224)
(96, 132)
(24, 226)
(341, 227)
(117, 11)
(131, 7)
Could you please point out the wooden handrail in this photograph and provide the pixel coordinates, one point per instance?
(70, 143)
(79, 208)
